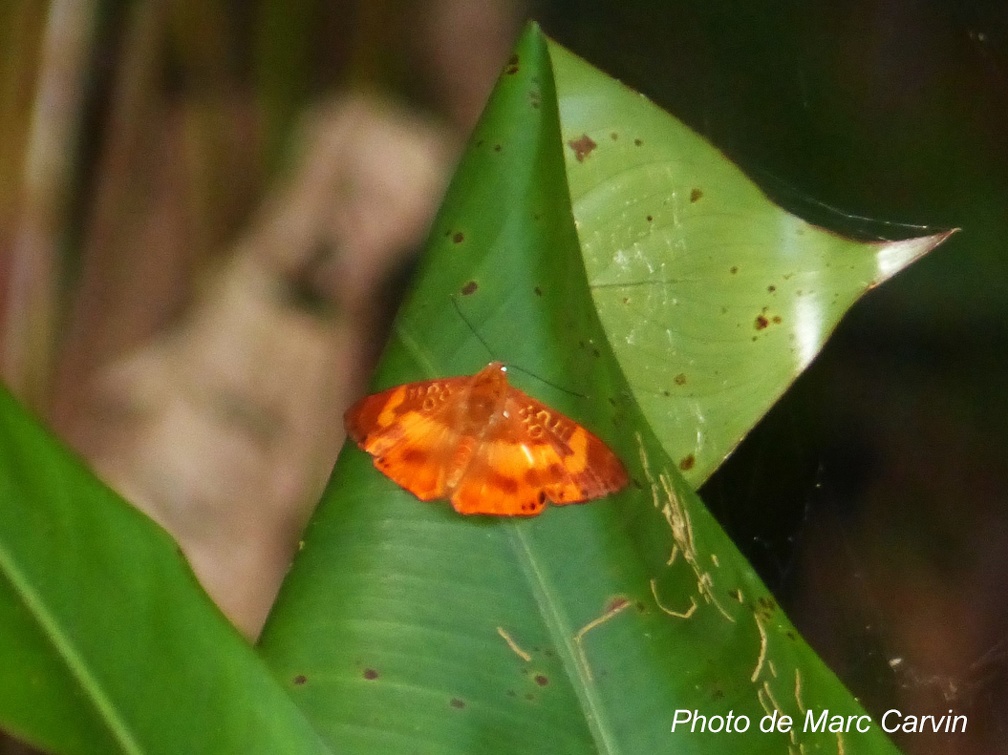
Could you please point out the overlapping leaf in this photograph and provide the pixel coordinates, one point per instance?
(714, 299)
(404, 626)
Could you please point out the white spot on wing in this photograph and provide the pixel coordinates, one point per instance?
(528, 454)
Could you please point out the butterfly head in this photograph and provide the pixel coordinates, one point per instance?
(489, 386)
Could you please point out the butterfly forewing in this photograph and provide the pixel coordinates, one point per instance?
(411, 432)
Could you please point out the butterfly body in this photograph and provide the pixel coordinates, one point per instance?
(484, 445)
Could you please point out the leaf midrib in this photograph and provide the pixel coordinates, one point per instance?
(562, 634)
(75, 663)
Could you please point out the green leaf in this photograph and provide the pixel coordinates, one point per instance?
(405, 627)
(108, 643)
(713, 298)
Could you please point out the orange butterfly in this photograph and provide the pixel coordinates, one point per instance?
(484, 445)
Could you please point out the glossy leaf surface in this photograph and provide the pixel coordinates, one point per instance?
(713, 298)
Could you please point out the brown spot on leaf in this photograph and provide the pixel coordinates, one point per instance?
(538, 291)
(497, 148)
(458, 237)
(695, 195)
(370, 674)
(456, 703)
(637, 142)
(650, 218)
(761, 322)
(300, 679)
(686, 463)
(777, 319)
(680, 379)
(541, 679)
(614, 136)
(469, 288)
(733, 269)
(771, 288)
(512, 66)
(582, 147)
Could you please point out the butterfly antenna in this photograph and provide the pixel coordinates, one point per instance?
(544, 381)
(486, 346)
(465, 319)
